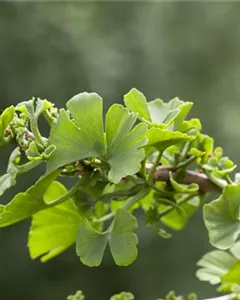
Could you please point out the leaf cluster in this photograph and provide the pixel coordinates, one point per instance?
(143, 155)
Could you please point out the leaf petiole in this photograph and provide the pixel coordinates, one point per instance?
(82, 182)
(130, 202)
(187, 162)
(181, 201)
(153, 169)
(24, 168)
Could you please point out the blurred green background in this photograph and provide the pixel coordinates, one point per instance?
(55, 50)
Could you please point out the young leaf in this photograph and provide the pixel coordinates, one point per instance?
(162, 138)
(26, 204)
(9, 179)
(6, 181)
(158, 112)
(122, 239)
(53, 230)
(34, 111)
(183, 188)
(90, 244)
(83, 137)
(214, 264)
(223, 213)
(34, 154)
(5, 119)
(136, 102)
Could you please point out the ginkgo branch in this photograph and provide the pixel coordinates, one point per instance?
(204, 182)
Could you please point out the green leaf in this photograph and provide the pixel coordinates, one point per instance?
(5, 119)
(26, 204)
(157, 111)
(34, 154)
(188, 125)
(162, 138)
(83, 137)
(235, 250)
(222, 219)
(177, 221)
(232, 275)
(9, 179)
(41, 106)
(86, 110)
(34, 108)
(171, 114)
(183, 188)
(123, 296)
(136, 102)
(122, 240)
(214, 264)
(90, 244)
(123, 146)
(6, 181)
(53, 230)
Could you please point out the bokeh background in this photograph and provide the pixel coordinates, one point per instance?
(55, 50)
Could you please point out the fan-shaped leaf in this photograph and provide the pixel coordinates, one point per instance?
(213, 265)
(122, 240)
(83, 136)
(26, 204)
(162, 138)
(160, 113)
(54, 229)
(222, 219)
(91, 244)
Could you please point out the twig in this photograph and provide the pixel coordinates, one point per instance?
(203, 181)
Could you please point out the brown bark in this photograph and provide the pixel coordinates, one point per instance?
(204, 183)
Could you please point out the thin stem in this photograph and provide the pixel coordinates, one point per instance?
(169, 158)
(185, 150)
(178, 208)
(160, 191)
(34, 127)
(81, 183)
(121, 193)
(130, 202)
(229, 180)
(187, 162)
(36, 133)
(135, 199)
(153, 169)
(28, 166)
(50, 119)
(66, 196)
(169, 209)
(105, 218)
